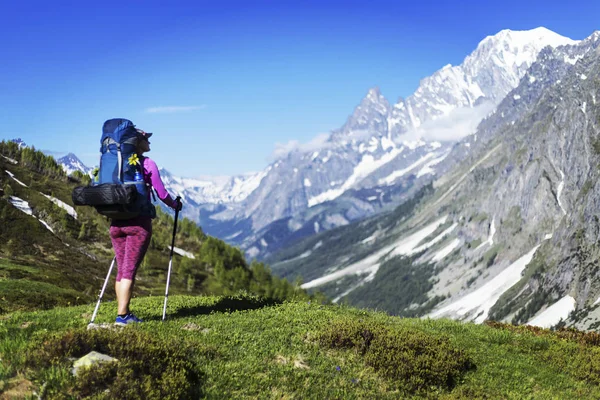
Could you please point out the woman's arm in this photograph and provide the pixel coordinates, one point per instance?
(152, 171)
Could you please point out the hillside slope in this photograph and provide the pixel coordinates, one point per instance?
(243, 348)
(510, 233)
(53, 254)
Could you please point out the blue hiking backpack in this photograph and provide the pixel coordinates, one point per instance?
(119, 190)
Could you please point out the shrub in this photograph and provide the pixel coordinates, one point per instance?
(8, 190)
(538, 300)
(147, 367)
(588, 365)
(570, 334)
(586, 356)
(415, 360)
(596, 145)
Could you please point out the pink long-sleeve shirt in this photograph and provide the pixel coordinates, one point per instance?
(152, 177)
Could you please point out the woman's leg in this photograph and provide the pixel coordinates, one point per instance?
(124, 289)
(119, 240)
(137, 242)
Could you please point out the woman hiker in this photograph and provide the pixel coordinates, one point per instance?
(130, 238)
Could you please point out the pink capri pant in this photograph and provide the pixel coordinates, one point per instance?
(130, 240)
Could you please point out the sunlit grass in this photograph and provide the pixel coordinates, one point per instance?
(246, 347)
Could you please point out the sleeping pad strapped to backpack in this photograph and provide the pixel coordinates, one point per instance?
(120, 191)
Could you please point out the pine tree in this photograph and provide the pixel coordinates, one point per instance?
(8, 190)
(82, 232)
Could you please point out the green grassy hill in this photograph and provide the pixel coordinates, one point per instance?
(244, 347)
(49, 256)
(233, 330)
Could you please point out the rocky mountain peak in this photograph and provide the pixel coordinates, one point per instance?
(20, 142)
(70, 163)
(512, 52)
(373, 102)
(369, 117)
(374, 95)
(70, 157)
(486, 75)
(595, 36)
(518, 41)
(514, 224)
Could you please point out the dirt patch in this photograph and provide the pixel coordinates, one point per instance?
(17, 388)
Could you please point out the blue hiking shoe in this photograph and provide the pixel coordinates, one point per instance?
(128, 319)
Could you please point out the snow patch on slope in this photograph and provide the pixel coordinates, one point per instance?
(559, 190)
(182, 252)
(443, 253)
(427, 167)
(24, 206)
(21, 204)
(10, 160)
(46, 225)
(367, 165)
(389, 180)
(478, 303)
(371, 263)
(490, 239)
(13, 176)
(431, 243)
(553, 314)
(70, 210)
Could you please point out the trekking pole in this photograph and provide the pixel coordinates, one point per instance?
(178, 199)
(102, 292)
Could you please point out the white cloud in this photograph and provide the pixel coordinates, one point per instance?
(173, 109)
(459, 123)
(319, 142)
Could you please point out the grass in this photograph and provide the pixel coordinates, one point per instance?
(246, 347)
(40, 269)
(27, 288)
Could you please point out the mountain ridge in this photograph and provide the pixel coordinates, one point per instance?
(374, 129)
(510, 228)
(374, 151)
(71, 163)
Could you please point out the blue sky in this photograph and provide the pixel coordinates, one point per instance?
(222, 83)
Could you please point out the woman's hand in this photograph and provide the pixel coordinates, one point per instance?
(178, 204)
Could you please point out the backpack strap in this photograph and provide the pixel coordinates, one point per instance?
(120, 162)
(108, 141)
(149, 186)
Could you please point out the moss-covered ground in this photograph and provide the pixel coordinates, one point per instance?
(245, 347)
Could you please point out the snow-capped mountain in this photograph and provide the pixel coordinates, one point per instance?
(20, 142)
(212, 189)
(383, 146)
(70, 163)
(379, 157)
(478, 84)
(508, 233)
